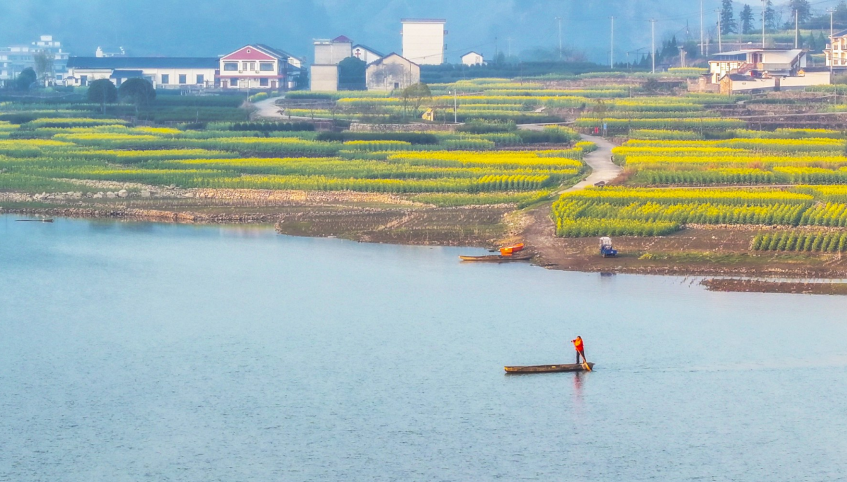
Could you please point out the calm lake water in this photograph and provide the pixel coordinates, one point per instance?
(136, 351)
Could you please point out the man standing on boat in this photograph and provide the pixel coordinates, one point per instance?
(580, 349)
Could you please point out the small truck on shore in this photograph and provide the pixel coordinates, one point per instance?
(606, 248)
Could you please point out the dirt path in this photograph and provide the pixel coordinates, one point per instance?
(267, 109)
(537, 229)
(600, 162)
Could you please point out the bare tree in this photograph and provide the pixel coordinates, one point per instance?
(43, 65)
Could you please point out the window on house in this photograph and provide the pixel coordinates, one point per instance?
(249, 65)
(183, 78)
(263, 82)
(266, 66)
(166, 79)
(230, 66)
(83, 80)
(201, 79)
(233, 82)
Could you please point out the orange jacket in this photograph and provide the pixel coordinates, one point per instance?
(578, 344)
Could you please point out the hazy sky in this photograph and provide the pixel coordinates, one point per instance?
(212, 27)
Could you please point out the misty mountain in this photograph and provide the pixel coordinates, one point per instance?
(213, 27)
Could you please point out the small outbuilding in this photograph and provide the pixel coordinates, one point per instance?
(473, 58)
(392, 72)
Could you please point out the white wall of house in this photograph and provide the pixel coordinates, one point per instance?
(365, 55)
(806, 80)
(472, 58)
(720, 68)
(392, 72)
(328, 52)
(836, 52)
(324, 78)
(181, 78)
(423, 41)
(752, 84)
(160, 78)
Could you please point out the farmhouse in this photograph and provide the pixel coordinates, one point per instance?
(258, 67)
(328, 54)
(392, 72)
(473, 58)
(763, 70)
(162, 72)
(836, 51)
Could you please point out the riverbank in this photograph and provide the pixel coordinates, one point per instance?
(700, 250)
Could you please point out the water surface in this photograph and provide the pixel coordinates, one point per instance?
(137, 351)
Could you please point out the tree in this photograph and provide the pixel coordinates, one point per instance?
(746, 17)
(43, 65)
(25, 79)
(803, 8)
(770, 16)
(102, 91)
(138, 92)
(415, 95)
(302, 82)
(351, 74)
(728, 24)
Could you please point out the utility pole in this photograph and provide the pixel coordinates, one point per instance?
(702, 49)
(831, 47)
(796, 28)
(720, 40)
(763, 23)
(653, 42)
(455, 106)
(559, 19)
(612, 48)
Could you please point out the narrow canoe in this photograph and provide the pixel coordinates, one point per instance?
(496, 258)
(570, 367)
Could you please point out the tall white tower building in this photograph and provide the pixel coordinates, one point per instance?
(423, 40)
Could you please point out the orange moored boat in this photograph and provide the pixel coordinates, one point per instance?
(510, 250)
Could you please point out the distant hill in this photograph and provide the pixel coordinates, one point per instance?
(211, 27)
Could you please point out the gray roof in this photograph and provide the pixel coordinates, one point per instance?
(126, 74)
(132, 63)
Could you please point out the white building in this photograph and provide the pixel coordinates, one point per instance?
(328, 54)
(392, 72)
(324, 78)
(162, 72)
(366, 54)
(423, 40)
(258, 67)
(473, 58)
(836, 51)
(101, 52)
(16, 58)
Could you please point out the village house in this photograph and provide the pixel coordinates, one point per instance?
(757, 70)
(392, 72)
(836, 51)
(328, 54)
(163, 72)
(258, 67)
(473, 58)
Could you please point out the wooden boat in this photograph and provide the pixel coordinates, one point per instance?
(570, 367)
(497, 258)
(34, 220)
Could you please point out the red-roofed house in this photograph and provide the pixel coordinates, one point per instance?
(257, 67)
